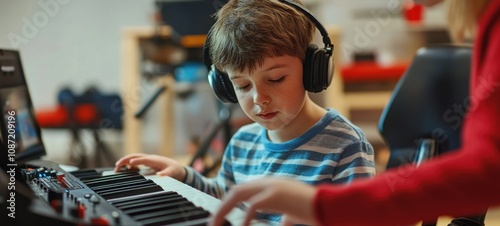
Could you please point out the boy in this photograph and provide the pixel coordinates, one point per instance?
(259, 46)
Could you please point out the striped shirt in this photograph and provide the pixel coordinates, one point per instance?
(332, 151)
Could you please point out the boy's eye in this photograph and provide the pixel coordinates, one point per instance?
(277, 80)
(242, 88)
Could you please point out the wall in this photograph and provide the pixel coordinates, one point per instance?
(69, 43)
(374, 25)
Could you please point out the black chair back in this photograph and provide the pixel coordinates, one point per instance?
(427, 104)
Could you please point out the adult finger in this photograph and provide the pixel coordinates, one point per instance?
(235, 195)
(261, 200)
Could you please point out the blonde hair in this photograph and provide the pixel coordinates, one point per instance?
(247, 31)
(463, 16)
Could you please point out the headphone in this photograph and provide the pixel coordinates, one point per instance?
(317, 65)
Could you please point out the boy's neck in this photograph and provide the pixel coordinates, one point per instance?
(310, 114)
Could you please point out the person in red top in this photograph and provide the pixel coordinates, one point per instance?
(461, 183)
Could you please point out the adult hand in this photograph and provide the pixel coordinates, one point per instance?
(276, 195)
(162, 165)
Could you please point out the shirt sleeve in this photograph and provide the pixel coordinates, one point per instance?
(217, 186)
(357, 161)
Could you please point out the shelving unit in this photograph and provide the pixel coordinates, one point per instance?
(131, 94)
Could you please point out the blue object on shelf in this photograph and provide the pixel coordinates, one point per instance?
(191, 72)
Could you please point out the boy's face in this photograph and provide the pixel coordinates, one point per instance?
(273, 94)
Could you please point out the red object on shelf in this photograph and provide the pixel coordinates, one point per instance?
(372, 72)
(84, 115)
(413, 12)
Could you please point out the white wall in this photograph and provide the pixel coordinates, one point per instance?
(72, 43)
(369, 25)
(69, 42)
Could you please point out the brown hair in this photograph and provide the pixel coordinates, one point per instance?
(247, 31)
(463, 16)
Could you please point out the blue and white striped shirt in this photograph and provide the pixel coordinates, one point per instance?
(332, 151)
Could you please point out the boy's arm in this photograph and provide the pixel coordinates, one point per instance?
(217, 186)
(357, 161)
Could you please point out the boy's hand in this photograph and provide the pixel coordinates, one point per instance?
(162, 165)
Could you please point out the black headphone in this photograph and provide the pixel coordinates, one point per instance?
(317, 72)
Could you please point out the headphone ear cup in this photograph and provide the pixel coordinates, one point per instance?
(222, 86)
(318, 69)
(308, 68)
(323, 66)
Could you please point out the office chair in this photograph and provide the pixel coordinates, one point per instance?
(424, 115)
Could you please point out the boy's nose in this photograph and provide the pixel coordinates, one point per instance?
(261, 97)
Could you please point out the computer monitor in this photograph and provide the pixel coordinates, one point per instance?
(189, 17)
(19, 131)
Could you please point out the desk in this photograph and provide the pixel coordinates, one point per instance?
(131, 94)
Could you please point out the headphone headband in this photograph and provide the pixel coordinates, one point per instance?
(317, 65)
(322, 30)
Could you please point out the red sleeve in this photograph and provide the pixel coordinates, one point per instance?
(461, 183)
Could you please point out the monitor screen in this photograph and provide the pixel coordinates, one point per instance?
(189, 17)
(19, 130)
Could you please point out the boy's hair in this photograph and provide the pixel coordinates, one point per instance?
(247, 31)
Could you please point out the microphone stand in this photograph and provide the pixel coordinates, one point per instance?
(149, 102)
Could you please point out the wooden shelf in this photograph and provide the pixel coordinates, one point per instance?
(131, 94)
